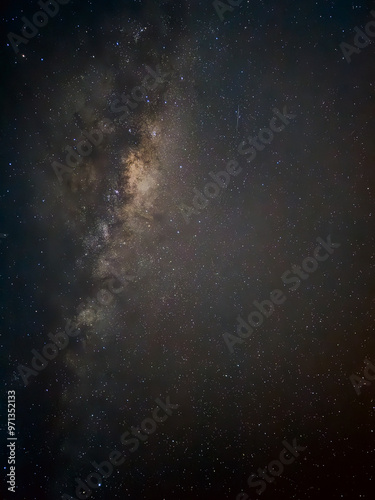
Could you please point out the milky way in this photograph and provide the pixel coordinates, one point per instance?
(119, 241)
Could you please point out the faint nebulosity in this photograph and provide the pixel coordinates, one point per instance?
(118, 221)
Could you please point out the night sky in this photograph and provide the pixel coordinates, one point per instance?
(187, 242)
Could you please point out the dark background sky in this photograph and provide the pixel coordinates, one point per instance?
(121, 209)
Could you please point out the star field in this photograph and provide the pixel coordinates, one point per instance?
(164, 166)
